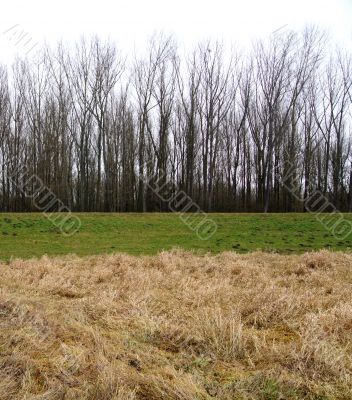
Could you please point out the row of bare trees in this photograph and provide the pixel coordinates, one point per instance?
(223, 127)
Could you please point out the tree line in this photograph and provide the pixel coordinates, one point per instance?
(225, 127)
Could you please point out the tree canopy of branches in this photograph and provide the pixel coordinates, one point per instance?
(223, 127)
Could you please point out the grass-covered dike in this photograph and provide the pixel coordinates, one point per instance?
(33, 235)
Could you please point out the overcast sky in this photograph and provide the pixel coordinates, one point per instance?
(130, 22)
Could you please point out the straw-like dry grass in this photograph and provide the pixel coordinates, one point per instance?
(177, 326)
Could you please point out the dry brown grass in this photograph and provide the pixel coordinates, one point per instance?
(177, 326)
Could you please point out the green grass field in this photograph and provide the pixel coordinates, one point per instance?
(33, 235)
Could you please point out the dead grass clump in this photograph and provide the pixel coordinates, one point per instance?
(177, 326)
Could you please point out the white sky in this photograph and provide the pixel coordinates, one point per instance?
(130, 22)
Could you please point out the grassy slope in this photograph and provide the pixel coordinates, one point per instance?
(29, 235)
